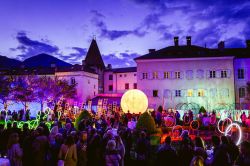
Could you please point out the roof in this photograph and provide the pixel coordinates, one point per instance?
(193, 51)
(76, 68)
(93, 57)
(123, 70)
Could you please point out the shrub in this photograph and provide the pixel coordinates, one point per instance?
(202, 110)
(146, 122)
(83, 115)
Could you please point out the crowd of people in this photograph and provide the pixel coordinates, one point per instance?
(108, 141)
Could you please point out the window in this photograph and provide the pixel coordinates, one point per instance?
(167, 75)
(111, 77)
(155, 75)
(177, 93)
(242, 92)
(120, 75)
(177, 75)
(212, 74)
(223, 74)
(201, 93)
(144, 75)
(73, 81)
(135, 85)
(155, 93)
(94, 86)
(241, 74)
(110, 87)
(213, 92)
(127, 86)
(225, 92)
(135, 75)
(190, 93)
(125, 75)
(200, 74)
(88, 81)
(189, 74)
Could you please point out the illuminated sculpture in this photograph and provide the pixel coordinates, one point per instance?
(134, 101)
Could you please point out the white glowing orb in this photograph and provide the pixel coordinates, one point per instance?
(228, 129)
(134, 101)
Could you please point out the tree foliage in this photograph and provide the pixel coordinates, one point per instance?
(146, 122)
(202, 110)
(83, 115)
(5, 90)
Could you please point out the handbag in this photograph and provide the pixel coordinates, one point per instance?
(61, 162)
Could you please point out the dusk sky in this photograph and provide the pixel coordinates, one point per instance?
(124, 29)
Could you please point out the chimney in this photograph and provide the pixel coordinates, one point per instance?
(151, 50)
(188, 40)
(248, 43)
(176, 41)
(109, 66)
(221, 45)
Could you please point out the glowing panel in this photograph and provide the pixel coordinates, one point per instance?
(134, 101)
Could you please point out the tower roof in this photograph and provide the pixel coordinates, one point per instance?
(94, 57)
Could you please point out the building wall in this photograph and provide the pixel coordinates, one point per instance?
(242, 63)
(217, 91)
(87, 83)
(119, 80)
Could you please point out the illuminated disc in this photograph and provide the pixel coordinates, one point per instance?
(194, 125)
(240, 131)
(134, 101)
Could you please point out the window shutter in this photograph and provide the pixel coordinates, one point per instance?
(141, 76)
(150, 75)
(228, 73)
(183, 92)
(208, 73)
(172, 75)
(161, 75)
(218, 73)
(173, 93)
(195, 92)
(181, 74)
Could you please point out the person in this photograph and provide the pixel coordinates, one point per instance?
(142, 149)
(159, 116)
(186, 152)
(243, 118)
(197, 161)
(112, 157)
(220, 155)
(120, 148)
(244, 157)
(199, 149)
(40, 147)
(82, 149)
(68, 152)
(166, 154)
(55, 148)
(14, 151)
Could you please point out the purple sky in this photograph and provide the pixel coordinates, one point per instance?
(124, 29)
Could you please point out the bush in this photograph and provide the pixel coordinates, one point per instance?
(202, 110)
(83, 115)
(146, 122)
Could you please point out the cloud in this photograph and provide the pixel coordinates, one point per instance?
(29, 47)
(76, 57)
(98, 21)
(120, 59)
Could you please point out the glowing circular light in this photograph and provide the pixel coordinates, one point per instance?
(195, 121)
(134, 101)
(223, 121)
(229, 129)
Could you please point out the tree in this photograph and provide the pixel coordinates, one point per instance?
(147, 122)
(24, 90)
(43, 89)
(5, 90)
